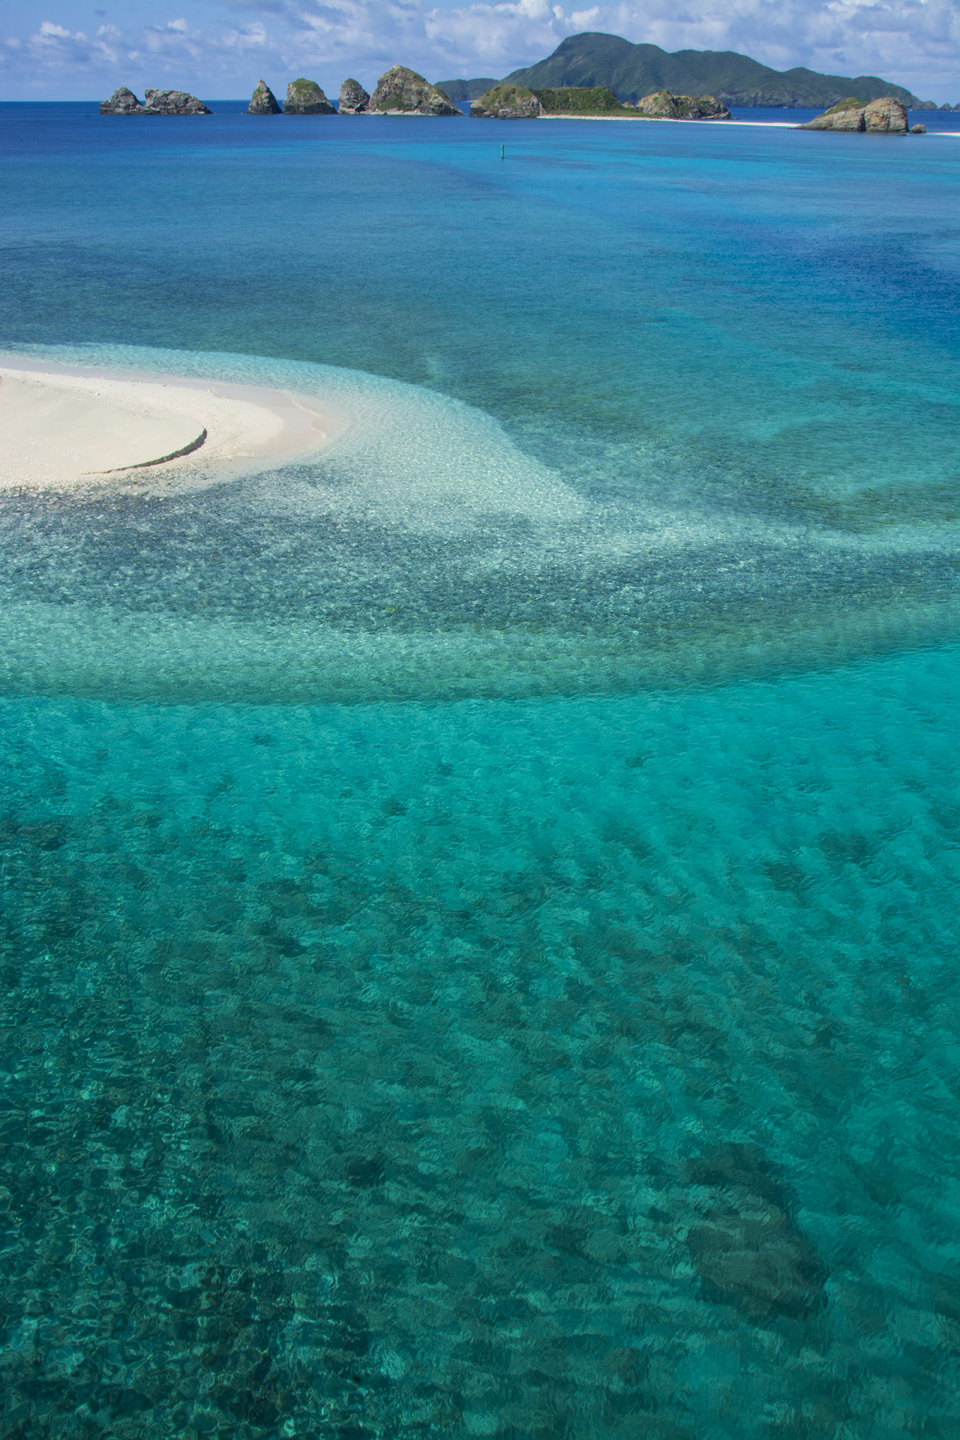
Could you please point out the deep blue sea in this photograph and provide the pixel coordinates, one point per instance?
(480, 908)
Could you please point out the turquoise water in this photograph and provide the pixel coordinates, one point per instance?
(480, 908)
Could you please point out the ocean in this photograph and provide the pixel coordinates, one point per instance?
(480, 907)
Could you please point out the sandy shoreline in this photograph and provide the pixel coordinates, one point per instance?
(734, 120)
(65, 426)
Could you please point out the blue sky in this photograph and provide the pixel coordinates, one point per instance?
(84, 49)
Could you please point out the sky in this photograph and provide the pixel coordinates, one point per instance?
(219, 49)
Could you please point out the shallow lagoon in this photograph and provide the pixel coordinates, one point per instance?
(480, 937)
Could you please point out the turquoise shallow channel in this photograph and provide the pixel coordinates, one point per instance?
(479, 928)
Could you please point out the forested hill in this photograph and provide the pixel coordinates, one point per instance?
(632, 71)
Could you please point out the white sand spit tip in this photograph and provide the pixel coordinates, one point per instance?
(64, 428)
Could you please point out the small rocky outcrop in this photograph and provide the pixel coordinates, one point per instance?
(158, 102)
(121, 102)
(885, 116)
(663, 105)
(172, 102)
(918, 129)
(263, 101)
(507, 102)
(403, 92)
(845, 115)
(354, 100)
(304, 97)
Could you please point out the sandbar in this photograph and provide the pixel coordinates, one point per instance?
(66, 427)
(734, 120)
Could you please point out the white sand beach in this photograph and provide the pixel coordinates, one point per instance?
(734, 120)
(67, 427)
(675, 120)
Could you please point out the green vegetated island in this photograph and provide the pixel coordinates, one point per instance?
(518, 102)
(634, 71)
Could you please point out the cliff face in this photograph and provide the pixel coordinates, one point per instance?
(354, 100)
(304, 97)
(507, 102)
(885, 116)
(158, 102)
(662, 105)
(403, 92)
(263, 101)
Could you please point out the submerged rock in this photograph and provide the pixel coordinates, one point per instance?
(263, 101)
(747, 1248)
(158, 102)
(885, 116)
(354, 100)
(403, 92)
(664, 105)
(507, 102)
(304, 97)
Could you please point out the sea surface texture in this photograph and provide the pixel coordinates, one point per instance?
(480, 907)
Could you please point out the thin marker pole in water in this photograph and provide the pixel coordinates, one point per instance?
(501, 152)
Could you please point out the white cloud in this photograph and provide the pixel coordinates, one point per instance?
(912, 42)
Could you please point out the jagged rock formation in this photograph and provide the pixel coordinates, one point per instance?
(304, 97)
(885, 116)
(172, 102)
(662, 105)
(403, 92)
(507, 102)
(158, 102)
(121, 102)
(580, 100)
(354, 100)
(263, 101)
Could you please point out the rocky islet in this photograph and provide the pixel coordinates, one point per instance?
(354, 100)
(155, 102)
(507, 102)
(401, 91)
(263, 101)
(663, 105)
(304, 97)
(885, 116)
